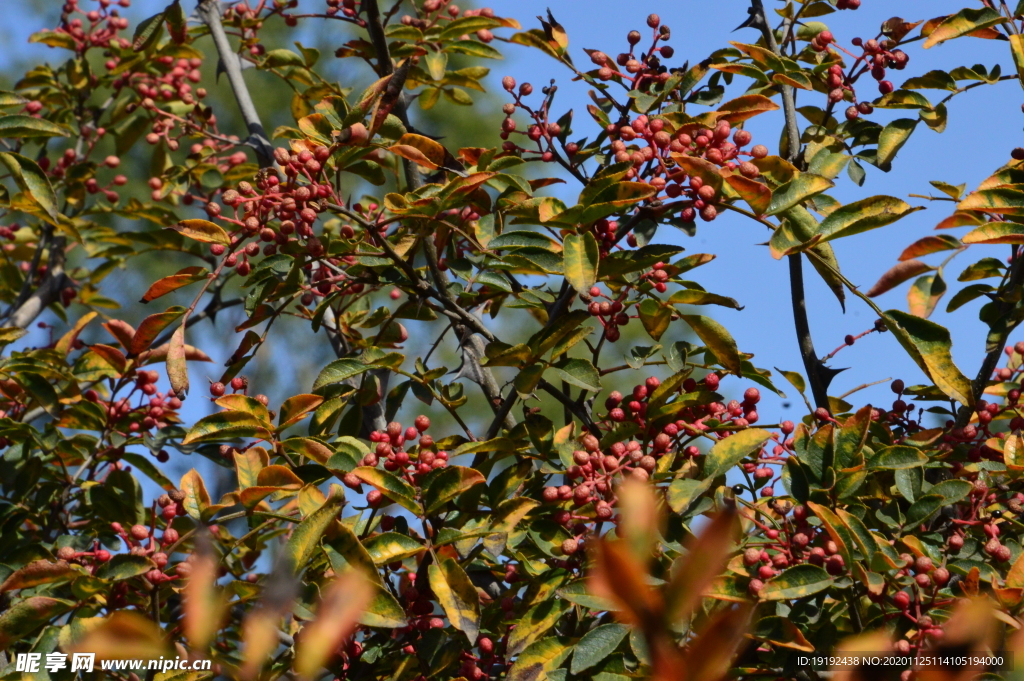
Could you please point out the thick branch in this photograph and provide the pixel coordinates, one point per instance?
(48, 291)
(812, 365)
(375, 27)
(209, 10)
(557, 309)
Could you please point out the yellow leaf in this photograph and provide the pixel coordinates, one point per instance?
(457, 596)
(419, 149)
(203, 230)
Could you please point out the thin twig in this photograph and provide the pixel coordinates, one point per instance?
(812, 366)
(210, 10)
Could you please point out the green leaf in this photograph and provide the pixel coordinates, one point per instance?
(436, 64)
(391, 546)
(582, 257)
(798, 581)
(457, 596)
(33, 181)
(924, 294)
(967, 294)
(996, 200)
(800, 188)
(148, 32)
(963, 22)
(467, 25)
(923, 509)
(757, 195)
(718, 340)
(577, 593)
(733, 449)
(282, 57)
(692, 296)
(931, 347)
(305, 540)
(38, 572)
(534, 624)
(952, 490)
(995, 233)
(580, 373)
(861, 216)
(933, 80)
(447, 484)
(897, 457)
(540, 659)
(391, 486)
(655, 317)
(473, 49)
(384, 611)
(9, 334)
(337, 371)
(22, 618)
(521, 239)
(684, 491)
(596, 645)
(124, 566)
(21, 125)
(892, 138)
(226, 425)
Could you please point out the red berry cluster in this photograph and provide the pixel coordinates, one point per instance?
(877, 56)
(642, 71)
(653, 163)
(100, 28)
(154, 409)
(610, 313)
(275, 210)
(394, 454)
(791, 541)
(437, 12)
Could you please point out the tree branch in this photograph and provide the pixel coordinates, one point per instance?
(812, 365)
(209, 10)
(47, 293)
(385, 67)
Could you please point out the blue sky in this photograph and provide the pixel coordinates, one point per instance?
(984, 125)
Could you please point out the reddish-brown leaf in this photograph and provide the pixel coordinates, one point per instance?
(747, 106)
(929, 245)
(111, 355)
(184, 277)
(192, 354)
(897, 274)
(123, 332)
(619, 577)
(152, 326)
(419, 149)
(960, 219)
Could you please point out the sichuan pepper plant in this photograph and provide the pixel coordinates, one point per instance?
(512, 516)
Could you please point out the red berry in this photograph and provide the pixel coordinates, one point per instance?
(139, 532)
